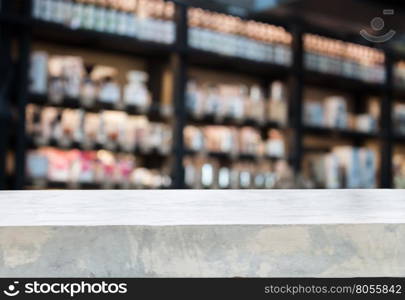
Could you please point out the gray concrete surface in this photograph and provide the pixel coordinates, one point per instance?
(207, 234)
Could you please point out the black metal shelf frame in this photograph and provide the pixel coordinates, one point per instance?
(181, 57)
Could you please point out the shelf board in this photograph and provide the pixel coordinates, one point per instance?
(339, 133)
(227, 121)
(69, 102)
(59, 33)
(231, 157)
(220, 62)
(62, 185)
(399, 138)
(399, 94)
(154, 153)
(341, 83)
(13, 19)
(317, 150)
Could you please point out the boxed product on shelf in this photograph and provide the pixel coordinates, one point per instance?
(69, 77)
(136, 92)
(41, 123)
(150, 20)
(203, 172)
(103, 168)
(399, 170)
(366, 123)
(220, 101)
(229, 35)
(194, 138)
(91, 130)
(336, 112)
(345, 167)
(108, 89)
(38, 72)
(255, 106)
(233, 141)
(89, 89)
(238, 102)
(65, 73)
(68, 130)
(314, 113)
(277, 108)
(250, 141)
(221, 139)
(399, 118)
(344, 59)
(108, 129)
(112, 125)
(399, 74)
(275, 144)
(333, 112)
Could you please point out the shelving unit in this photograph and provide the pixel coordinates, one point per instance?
(181, 57)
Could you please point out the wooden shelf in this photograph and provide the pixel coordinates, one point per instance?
(341, 83)
(152, 113)
(339, 133)
(232, 157)
(227, 121)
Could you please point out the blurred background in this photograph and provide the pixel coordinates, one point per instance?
(228, 94)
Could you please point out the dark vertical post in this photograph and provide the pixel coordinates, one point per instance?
(155, 71)
(6, 81)
(6, 69)
(24, 44)
(5, 6)
(264, 85)
(296, 99)
(386, 177)
(359, 107)
(179, 68)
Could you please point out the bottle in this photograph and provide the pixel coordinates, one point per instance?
(136, 92)
(278, 103)
(109, 91)
(88, 89)
(39, 72)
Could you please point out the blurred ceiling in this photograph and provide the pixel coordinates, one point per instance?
(343, 16)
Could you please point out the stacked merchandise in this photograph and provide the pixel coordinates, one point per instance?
(344, 167)
(399, 171)
(344, 59)
(399, 118)
(69, 78)
(229, 35)
(112, 130)
(236, 155)
(235, 142)
(333, 112)
(102, 168)
(399, 74)
(88, 128)
(237, 102)
(150, 20)
(202, 172)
